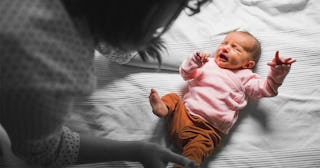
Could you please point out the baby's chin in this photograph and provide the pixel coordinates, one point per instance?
(221, 64)
(226, 65)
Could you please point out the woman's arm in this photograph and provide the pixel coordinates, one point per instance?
(95, 149)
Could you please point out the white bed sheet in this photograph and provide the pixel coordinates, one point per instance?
(273, 132)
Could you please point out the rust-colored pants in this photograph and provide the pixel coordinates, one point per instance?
(195, 137)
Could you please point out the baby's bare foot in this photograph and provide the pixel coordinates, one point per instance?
(158, 107)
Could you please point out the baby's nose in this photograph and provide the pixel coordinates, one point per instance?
(225, 48)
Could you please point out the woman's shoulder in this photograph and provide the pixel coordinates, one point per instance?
(42, 48)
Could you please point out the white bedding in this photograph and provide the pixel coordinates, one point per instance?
(273, 132)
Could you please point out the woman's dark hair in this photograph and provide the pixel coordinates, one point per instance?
(131, 24)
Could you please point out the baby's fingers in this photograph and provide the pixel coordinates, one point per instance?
(289, 60)
(202, 57)
(272, 64)
(197, 54)
(277, 58)
(205, 59)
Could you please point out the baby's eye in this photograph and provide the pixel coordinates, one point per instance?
(236, 48)
(223, 43)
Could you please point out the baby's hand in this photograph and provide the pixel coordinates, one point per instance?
(201, 58)
(281, 66)
(277, 60)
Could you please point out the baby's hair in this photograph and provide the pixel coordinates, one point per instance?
(257, 49)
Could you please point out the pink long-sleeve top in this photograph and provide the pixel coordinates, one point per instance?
(216, 94)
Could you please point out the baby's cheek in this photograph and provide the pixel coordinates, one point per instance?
(234, 62)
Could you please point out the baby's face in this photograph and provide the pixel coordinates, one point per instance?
(235, 50)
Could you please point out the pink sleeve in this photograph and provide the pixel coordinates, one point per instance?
(257, 88)
(189, 69)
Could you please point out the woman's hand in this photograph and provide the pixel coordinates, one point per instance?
(156, 156)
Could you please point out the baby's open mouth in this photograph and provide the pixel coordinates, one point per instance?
(223, 57)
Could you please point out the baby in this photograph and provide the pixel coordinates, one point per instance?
(217, 89)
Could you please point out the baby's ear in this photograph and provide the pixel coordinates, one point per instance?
(249, 65)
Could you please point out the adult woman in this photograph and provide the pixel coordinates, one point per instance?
(46, 59)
